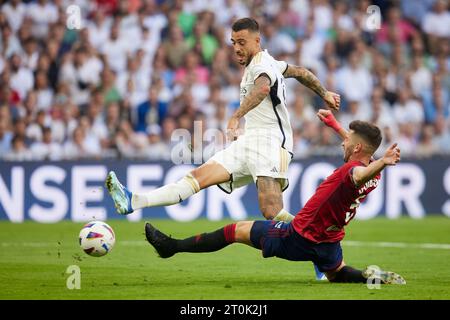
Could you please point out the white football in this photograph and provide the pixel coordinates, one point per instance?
(97, 238)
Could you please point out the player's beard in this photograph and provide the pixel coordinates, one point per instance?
(348, 153)
(242, 59)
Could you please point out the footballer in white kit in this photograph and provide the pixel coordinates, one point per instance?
(265, 148)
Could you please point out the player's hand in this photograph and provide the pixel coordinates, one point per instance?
(327, 117)
(232, 129)
(392, 155)
(333, 100)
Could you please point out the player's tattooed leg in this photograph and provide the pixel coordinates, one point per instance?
(269, 196)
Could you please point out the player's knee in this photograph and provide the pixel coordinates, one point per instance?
(242, 231)
(209, 174)
(198, 176)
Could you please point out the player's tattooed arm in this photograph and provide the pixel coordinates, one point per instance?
(260, 90)
(305, 77)
(308, 79)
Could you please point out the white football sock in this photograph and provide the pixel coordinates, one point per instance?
(283, 215)
(166, 195)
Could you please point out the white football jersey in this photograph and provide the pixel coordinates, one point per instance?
(271, 114)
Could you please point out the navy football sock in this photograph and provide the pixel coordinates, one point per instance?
(348, 274)
(208, 242)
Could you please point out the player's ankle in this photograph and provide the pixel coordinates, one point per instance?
(283, 215)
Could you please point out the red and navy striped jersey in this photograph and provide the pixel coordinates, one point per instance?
(333, 205)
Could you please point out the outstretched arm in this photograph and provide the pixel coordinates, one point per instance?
(363, 174)
(308, 79)
(251, 100)
(327, 117)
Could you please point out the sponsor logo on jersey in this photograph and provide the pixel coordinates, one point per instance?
(369, 184)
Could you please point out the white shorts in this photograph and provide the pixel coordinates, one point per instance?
(250, 157)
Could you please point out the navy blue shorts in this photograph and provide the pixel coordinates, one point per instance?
(279, 239)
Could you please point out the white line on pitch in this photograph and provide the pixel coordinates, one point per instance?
(350, 243)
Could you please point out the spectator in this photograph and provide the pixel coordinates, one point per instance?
(19, 151)
(312, 46)
(133, 83)
(407, 138)
(436, 102)
(442, 135)
(5, 137)
(22, 79)
(415, 10)
(276, 41)
(130, 144)
(327, 144)
(395, 28)
(42, 13)
(9, 43)
(301, 113)
(436, 24)
(115, 49)
(354, 82)
(99, 29)
(408, 110)
(355, 112)
(302, 147)
(20, 129)
(175, 47)
(82, 73)
(151, 112)
(157, 149)
(389, 138)
(75, 147)
(202, 42)
(14, 11)
(426, 146)
(108, 87)
(30, 54)
(46, 149)
(43, 91)
(420, 76)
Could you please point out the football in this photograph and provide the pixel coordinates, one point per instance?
(97, 238)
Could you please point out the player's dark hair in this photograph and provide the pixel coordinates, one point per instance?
(368, 132)
(245, 24)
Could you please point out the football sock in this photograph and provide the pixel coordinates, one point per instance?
(208, 242)
(283, 215)
(167, 195)
(349, 274)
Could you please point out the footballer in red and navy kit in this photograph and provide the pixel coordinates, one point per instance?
(333, 205)
(317, 229)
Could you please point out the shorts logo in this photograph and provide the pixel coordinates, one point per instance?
(278, 225)
(274, 170)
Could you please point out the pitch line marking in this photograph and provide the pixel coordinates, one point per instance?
(445, 246)
(350, 243)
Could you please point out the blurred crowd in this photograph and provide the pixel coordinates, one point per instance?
(137, 70)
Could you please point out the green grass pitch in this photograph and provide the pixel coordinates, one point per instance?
(34, 259)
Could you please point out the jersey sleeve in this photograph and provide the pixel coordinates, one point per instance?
(262, 67)
(282, 66)
(348, 177)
